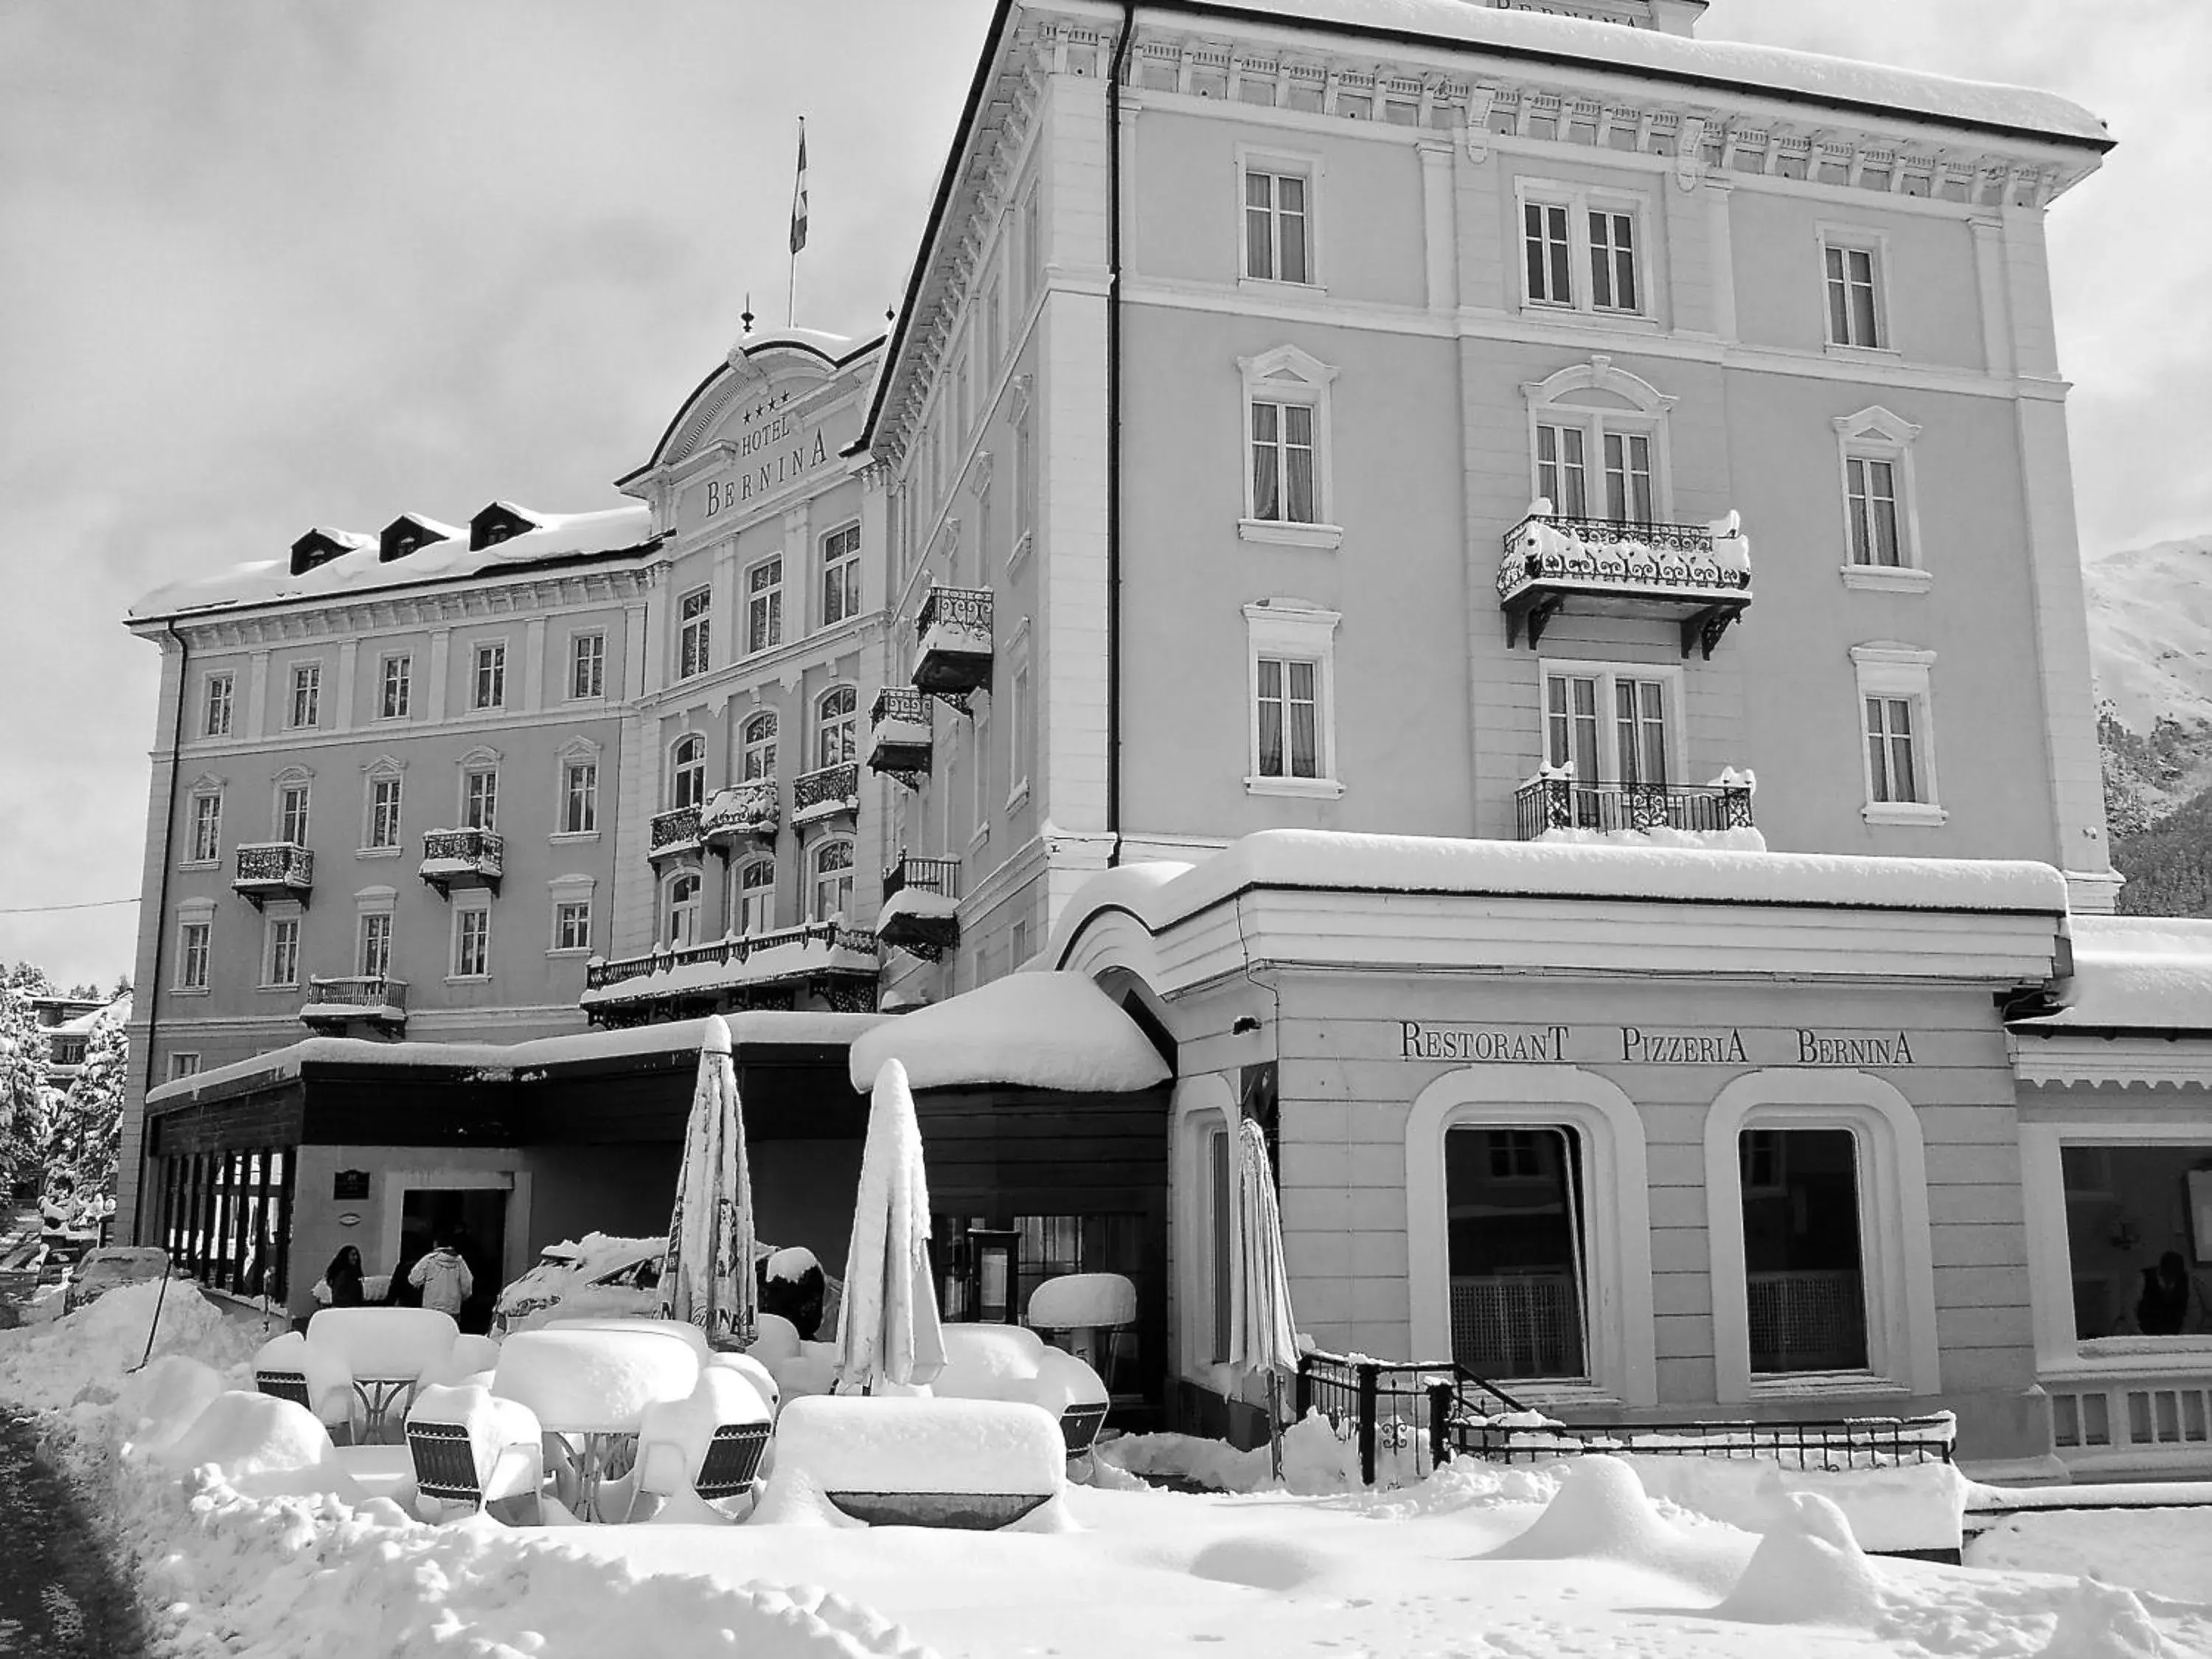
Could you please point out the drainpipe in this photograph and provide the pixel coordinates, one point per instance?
(1114, 434)
(152, 992)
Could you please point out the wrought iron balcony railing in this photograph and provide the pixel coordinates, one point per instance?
(825, 792)
(741, 811)
(463, 858)
(899, 734)
(1696, 575)
(376, 999)
(920, 911)
(837, 960)
(954, 634)
(274, 869)
(1549, 804)
(939, 875)
(673, 832)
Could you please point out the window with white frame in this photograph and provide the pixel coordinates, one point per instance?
(184, 1062)
(1517, 1250)
(587, 666)
(193, 933)
(292, 801)
(1278, 241)
(1582, 250)
(579, 796)
(835, 727)
(2138, 1225)
(480, 796)
(216, 707)
(757, 757)
(1024, 482)
(695, 632)
(680, 896)
(381, 810)
(1291, 652)
(1857, 311)
(687, 771)
(1612, 722)
(306, 707)
(490, 687)
(395, 690)
(204, 845)
(1598, 444)
(1897, 728)
(372, 954)
(1881, 540)
(1021, 718)
(572, 924)
(280, 955)
(840, 575)
(473, 940)
(832, 872)
(755, 900)
(980, 806)
(1287, 492)
(764, 605)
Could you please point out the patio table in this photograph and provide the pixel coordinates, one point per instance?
(589, 1388)
(387, 1350)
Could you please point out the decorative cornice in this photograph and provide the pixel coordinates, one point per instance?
(2146, 1062)
(332, 617)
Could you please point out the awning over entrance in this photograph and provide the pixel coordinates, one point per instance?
(1040, 1030)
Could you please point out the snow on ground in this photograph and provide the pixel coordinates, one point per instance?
(269, 1547)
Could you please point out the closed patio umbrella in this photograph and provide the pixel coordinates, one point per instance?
(887, 1330)
(707, 1279)
(1263, 1335)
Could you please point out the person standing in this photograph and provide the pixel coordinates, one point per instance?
(342, 1280)
(443, 1278)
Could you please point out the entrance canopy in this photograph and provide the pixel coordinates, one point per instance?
(1032, 1031)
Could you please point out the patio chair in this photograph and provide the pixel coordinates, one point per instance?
(1008, 1363)
(469, 1446)
(287, 1368)
(710, 1443)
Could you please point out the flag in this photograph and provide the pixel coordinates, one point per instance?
(798, 194)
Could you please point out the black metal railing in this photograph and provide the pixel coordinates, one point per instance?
(732, 951)
(483, 848)
(956, 607)
(1604, 552)
(835, 786)
(1397, 1411)
(939, 875)
(673, 831)
(275, 864)
(896, 702)
(751, 808)
(1568, 803)
(358, 991)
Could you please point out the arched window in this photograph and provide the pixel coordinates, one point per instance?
(835, 724)
(833, 876)
(687, 775)
(759, 760)
(754, 897)
(1598, 444)
(680, 909)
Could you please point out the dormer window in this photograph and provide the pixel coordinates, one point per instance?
(410, 532)
(500, 521)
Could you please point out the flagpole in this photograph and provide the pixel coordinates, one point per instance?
(798, 231)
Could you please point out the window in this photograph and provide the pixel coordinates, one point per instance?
(1598, 444)
(1898, 734)
(206, 838)
(1803, 1272)
(1881, 523)
(764, 605)
(756, 903)
(2138, 1235)
(186, 1062)
(374, 955)
(1611, 724)
(490, 685)
(1517, 1250)
(835, 727)
(1562, 470)
(994, 341)
(1033, 245)
(383, 811)
(572, 925)
(472, 942)
(980, 806)
(757, 760)
(1021, 724)
(395, 688)
(193, 955)
(840, 575)
(292, 799)
(306, 694)
(1854, 288)
(587, 666)
(1291, 651)
(694, 634)
(833, 878)
(687, 771)
(1024, 482)
(1580, 250)
(1286, 490)
(579, 798)
(480, 798)
(963, 409)
(1220, 1209)
(680, 909)
(280, 961)
(1278, 222)
(216, 723)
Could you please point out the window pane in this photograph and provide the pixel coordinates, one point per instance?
(1299, 464)
(1304, 739)
(1532, 238)
(1862, 321)
(2130, 1211)
(1515, 1251)
(1267, 499)
(1220, 1191)
(1806, 1291)
(1259, 226)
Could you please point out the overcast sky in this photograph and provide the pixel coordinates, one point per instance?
(264, 264)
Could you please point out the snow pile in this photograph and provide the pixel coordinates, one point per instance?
(1040, 1031)
(791, 1264)
(849, 1444)
(85, 1354)
(2167, 1551)
(916, 902)
(263, 1447)
(1808, 1569)
(2143, 973)
(2103, 1621)
(1213, 1464)
(1744, 840)
(156, 1406)
(590, 1378)
(1083, 1302)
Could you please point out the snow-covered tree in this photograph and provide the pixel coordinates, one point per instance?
(87, 1130)
(22, 1080)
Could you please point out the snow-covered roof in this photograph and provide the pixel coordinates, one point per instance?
(1736, 65)
(1038, 1030)
(82, 1024)
(270, 582)
(501, 1060)
(2136, 972)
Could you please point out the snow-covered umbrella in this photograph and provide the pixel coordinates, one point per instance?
(887, 1330)
(1263, 1335)
(709, 1277)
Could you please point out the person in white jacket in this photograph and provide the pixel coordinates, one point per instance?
(443, 1278)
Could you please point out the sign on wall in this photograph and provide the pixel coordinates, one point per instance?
(1642, 1045)
(349, 1184)
(769, 456)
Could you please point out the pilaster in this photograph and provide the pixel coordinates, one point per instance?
(1440, 226)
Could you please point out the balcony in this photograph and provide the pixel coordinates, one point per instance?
(822, 961)
(954, 632)
(899, 735)
(1696, 576)
(1554, 804)
(461, 859)
(829, 792)
(375, 1000)
(674, 832)
(921, 906)
(274, 869)
(738, 813)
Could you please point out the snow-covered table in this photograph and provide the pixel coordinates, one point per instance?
(590, 1387)
(387, 1350)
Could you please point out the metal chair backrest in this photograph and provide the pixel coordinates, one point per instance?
(732, 1459)
(284, 1385)
(1079, 1427)
(444, 1462)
